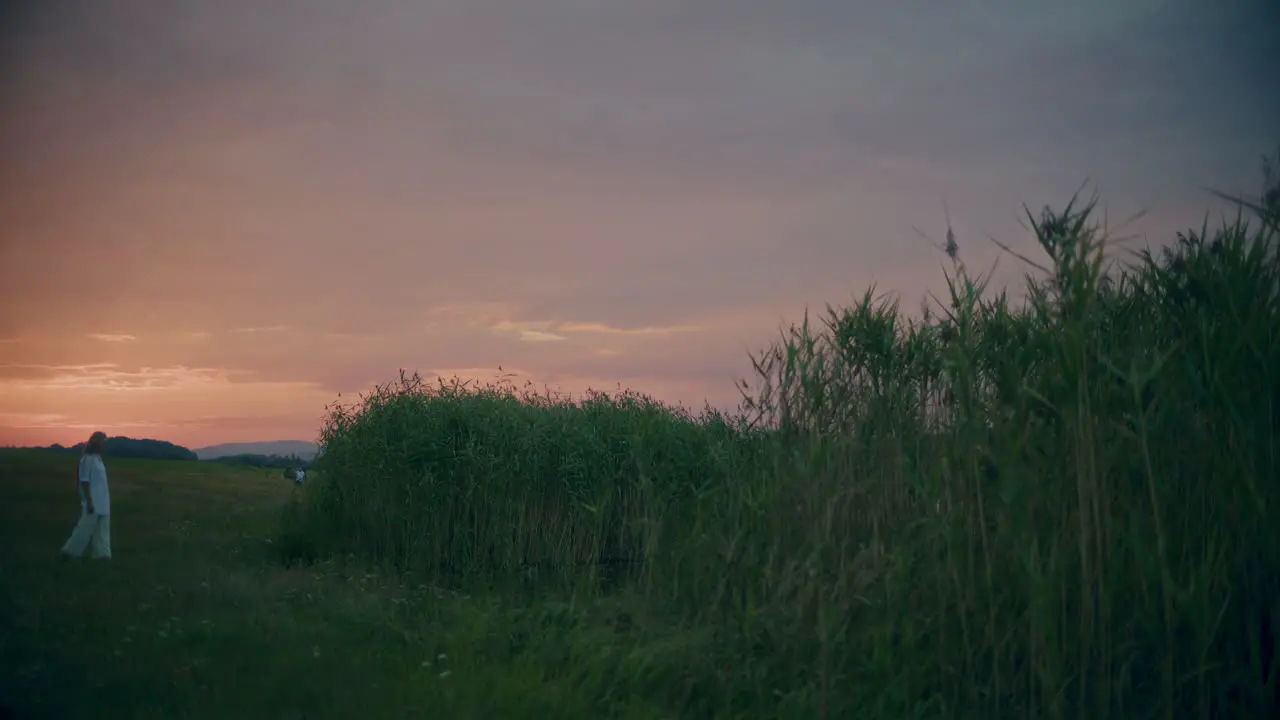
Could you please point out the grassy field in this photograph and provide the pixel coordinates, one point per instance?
(1062, 507)
(196, 616)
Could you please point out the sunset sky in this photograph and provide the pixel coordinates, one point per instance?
(216, 216)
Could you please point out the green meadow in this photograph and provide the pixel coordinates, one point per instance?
(1055, 503)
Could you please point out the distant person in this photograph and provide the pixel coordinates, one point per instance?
(299, 476)
(93, 531)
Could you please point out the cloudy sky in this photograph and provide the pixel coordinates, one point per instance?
(216, 216)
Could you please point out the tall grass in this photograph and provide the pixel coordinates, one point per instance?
(1056, 507)
(461, 480)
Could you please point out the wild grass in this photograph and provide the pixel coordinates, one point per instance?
(1060, 506)
(194, 617)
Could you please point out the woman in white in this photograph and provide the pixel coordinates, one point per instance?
(93, 531)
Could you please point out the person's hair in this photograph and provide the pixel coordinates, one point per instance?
(97, 443)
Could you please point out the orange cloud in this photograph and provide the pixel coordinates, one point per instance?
(549, 330)
(602, 329)
(48, 403)
(106, 377)
(539, 336)
(56, 421)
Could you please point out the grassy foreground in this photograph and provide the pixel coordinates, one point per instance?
(196, 617)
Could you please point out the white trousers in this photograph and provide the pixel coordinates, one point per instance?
(92, 532)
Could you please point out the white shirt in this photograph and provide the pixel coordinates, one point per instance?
(94, 474)
(299, 475)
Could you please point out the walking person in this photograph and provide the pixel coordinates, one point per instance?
(93, 531)
(299, 476)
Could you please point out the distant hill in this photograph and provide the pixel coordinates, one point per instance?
(280, 448)
(137, 448)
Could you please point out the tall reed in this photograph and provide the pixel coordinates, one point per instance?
(1062, 506)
